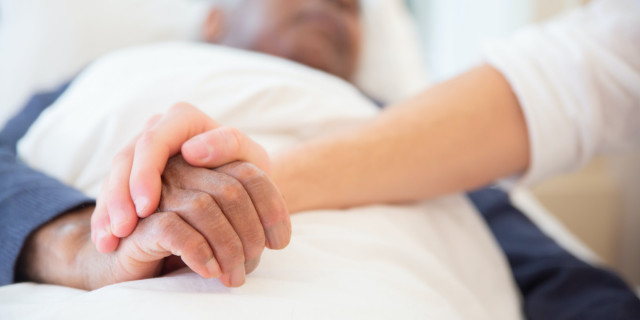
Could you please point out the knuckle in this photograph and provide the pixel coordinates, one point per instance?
(248, 172)
(147, 139)
(165, 222)
(232, 191)
(202, 202)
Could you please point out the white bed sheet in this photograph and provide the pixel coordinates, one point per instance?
(414, 262)
(433, 260)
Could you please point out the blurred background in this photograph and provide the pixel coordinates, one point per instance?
(601, 203)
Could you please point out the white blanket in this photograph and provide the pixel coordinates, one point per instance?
(434, 260)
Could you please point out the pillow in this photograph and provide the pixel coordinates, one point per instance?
(391, 66)
(46, 42)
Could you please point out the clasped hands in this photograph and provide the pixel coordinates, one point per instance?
(187, 191)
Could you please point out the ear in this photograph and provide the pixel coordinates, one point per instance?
(213, 26)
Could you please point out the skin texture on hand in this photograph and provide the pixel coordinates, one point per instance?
(52, 253)
(62, 253)
(235, 207)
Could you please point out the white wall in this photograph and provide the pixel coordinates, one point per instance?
(453, 31)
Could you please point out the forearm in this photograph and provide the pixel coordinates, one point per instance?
(458, 135)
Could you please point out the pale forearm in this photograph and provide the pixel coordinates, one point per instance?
(455, 136)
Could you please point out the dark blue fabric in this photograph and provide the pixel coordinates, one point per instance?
(17, 127)
(28, 199)
(554, 284)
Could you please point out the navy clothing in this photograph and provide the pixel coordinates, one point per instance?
(28, 199)
(554, 284)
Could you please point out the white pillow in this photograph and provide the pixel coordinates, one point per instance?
(391, 66)
(46, 42)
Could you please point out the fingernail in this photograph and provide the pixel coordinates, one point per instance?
(278, 236)
(251, 265)
(200, 149)
(237, 276)
(141, 204)
(213, 268)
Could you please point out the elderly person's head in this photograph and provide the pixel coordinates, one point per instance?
(323, 34)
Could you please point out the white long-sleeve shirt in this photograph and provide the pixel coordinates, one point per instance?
(577, 79)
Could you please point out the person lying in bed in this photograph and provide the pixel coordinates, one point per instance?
(141, 230)
(321, 34)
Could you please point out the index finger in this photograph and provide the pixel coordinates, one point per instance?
(267, 200)
(156, 146)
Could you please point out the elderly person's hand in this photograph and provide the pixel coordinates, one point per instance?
(61, 252)
(206, 217)
(235, 207)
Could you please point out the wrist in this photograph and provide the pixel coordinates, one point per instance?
(52, 254)
(300, 179)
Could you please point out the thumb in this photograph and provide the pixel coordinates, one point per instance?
(223, 145)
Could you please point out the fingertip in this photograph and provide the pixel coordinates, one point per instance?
(142, 206)
(123, 227)
(235, 278)
(197, 151)
(145, 187)
(213, 268)
(278, 236)
(106, 242)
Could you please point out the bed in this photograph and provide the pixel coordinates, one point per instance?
(378, 262)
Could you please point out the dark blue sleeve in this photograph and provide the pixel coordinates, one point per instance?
(554, 283)
(28, 199)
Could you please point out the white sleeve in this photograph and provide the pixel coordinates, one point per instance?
(577, 79)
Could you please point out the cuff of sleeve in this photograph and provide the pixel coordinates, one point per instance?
(554, 144)
(27, 211)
